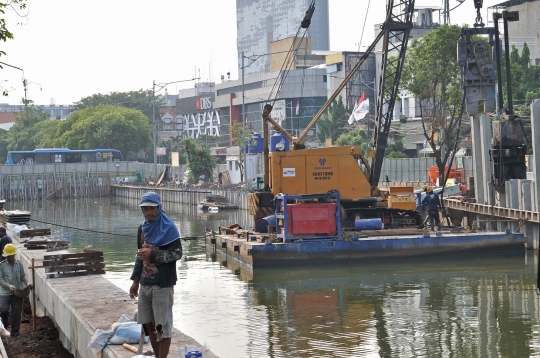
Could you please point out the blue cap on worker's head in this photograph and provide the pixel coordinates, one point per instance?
(2, 229)
(150, 199)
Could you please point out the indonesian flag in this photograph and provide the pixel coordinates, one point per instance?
(298, 106)
(360, 110)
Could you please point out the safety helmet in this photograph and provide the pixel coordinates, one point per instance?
(429, 189)
(424, 188)
(9, 250)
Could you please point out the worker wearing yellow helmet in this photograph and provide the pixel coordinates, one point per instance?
(431, 200)
(13, 287)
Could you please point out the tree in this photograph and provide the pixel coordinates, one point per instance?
(525, 59)
(357, 137)
(45, 133)
(525, 78)
(5, 34)
(3, 145)
(242, 139)
(22, 133)
(332, 124)
(432, 74)
(141, 100)
(200, 161)
(396, 149)
(174, 144)
(125, 129)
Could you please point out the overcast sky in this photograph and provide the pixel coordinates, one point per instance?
(72, 49)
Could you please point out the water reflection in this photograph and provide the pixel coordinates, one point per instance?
(474, 306)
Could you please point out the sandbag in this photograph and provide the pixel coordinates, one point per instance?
(127, 332)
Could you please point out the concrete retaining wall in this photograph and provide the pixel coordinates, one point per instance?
(183, 196)
(80, 305)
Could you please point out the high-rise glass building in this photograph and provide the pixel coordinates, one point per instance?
(260, 22)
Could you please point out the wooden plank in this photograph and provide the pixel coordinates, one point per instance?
(73, 261)
(63, 268)
(66, 256)
(57, 247)
(92, 250)
(36, 247)
(39, 242)
(73, 274)
(35, 232)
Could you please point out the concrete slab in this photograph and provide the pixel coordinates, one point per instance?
(80, 305)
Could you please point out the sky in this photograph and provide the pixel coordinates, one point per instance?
(73, 49)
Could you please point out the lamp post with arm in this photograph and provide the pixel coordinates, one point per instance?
(154, 122)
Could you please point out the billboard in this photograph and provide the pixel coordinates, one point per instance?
(278, 112)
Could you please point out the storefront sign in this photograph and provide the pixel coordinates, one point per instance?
(196, 124)
(203, 103)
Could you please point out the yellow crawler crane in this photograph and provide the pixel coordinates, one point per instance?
(345, 169)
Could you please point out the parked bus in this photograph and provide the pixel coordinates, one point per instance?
(63, 155)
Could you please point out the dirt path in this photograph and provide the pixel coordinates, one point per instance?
(41, 343)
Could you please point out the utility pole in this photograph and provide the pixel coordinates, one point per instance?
(244, 121)
(154, 141)
(154, 122)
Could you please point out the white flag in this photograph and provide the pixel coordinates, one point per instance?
(298, 107)
(351, 118)
(361, 110)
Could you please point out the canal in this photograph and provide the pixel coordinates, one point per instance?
(459, 306)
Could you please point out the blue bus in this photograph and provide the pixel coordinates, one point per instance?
(63, 155)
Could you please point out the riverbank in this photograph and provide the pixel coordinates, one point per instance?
(80, 305)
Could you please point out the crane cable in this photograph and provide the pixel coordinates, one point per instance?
(290, 58)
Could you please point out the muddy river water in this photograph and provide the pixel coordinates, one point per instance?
(472, 305)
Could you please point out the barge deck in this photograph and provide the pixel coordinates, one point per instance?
(247, 248)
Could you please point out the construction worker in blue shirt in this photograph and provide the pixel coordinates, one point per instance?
(431, 200)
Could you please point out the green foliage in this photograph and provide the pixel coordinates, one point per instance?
(237, 133)
(333, 123)
(525, 78)
(396, 149)
(3, 145)
(514, 55)
(200, 162)
(395, 154)
(140, 100)
(5, 34)
(525, 59)
(114, 127)
(208, 140)
(22, 133)
(431, 63)
(174, 144)
(45, 133)
(357, 137)
(238, 138)
(432, 74)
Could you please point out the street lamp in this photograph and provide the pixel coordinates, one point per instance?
(25, 84)
(154, 136)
